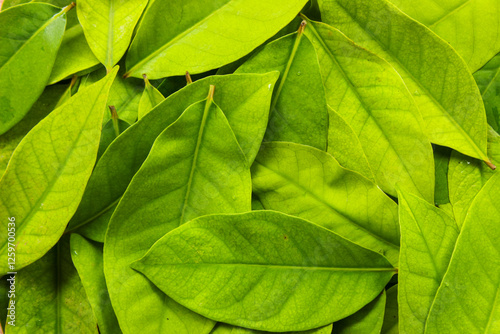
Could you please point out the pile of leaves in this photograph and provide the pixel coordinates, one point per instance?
(249, 166)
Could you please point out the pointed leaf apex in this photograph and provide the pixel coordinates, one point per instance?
(302, 27)
(146, 80)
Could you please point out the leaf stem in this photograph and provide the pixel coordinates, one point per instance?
(490, 164)
(114, 118)
(188, 78)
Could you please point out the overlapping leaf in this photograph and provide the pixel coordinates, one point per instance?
(435, 74)
(371, 97)
(88, 260)
(48, 171)
(488, 81)
(108, 26)
(368, 320)
(245, 100)
(470, 26)
(195, 167)
(178, 36)
(150, 98)
(74, 55)
(298, 110)
(428, 237)
(466, 302)
(467, 176)
(29, 39)
(265, 270)
(308, 183)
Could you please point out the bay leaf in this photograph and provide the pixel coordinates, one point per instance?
(265, 270)
(178, 35)
(369, 95)
(29, 39)
(435, 74)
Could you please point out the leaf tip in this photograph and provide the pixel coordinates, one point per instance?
(69, 7)
(145, 77)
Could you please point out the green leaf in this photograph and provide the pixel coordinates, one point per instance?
(298, 109)
(109, 134)
(42, 107)
(466, 302)
(390, 325)
(29, 39)
(265, 270)
(195, 167)
(88, 260)
(470, 26)
(222, 328)
(435, 74)
(428, 236)
(441, 162)
(368, 320)
(74, 55)
(108, 26)
(50, 297)
(124, 95)
(245, 100)
(150, 98)
(48, 171)
(344, 145)
(371, 97)
(4, 300)
(96, 229)
(308, 183)
(197, 37)
(488, 81)
(467, 176)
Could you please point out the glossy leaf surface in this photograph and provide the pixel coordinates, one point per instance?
(390, 325)
(371, 97)
(470, 26)
(428, 236)
(298, 109)
(29, 39)
(245, 100)
(461, 304)
(308, 183)
(204, 37)
(195, 167)
(265, 270)
(435, 74)
(108, 26)
(88, 260)
(50, 297)
(48, 171)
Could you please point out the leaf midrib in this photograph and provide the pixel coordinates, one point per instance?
(425, 90)
(456, 9)
(110, 36)
(195, 158)
(175, 39)
(284, 267)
